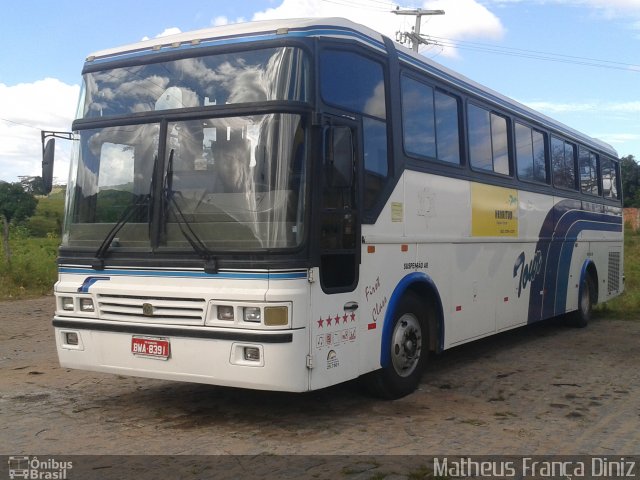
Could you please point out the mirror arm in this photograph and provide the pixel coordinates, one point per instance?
(48, 150)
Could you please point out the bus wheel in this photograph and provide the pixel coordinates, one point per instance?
(408, 351)
(580, 318)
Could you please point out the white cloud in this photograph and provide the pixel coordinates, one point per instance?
(222, 20)
(551, 107)
(618, 138)
(603, 107)
(462, 19)
(165, 33)
(47, 104)
(608, 9)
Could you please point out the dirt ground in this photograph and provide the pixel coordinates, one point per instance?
(544, 389)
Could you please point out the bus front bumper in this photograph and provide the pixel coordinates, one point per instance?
(262, 360)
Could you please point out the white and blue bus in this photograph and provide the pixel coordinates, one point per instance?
(289, 205)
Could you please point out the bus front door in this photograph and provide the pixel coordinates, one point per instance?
(334, 307)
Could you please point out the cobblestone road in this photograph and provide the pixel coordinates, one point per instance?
(544, 389)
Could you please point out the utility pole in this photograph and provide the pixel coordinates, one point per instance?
(414, 37)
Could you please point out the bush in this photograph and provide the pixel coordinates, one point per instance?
(33, 269)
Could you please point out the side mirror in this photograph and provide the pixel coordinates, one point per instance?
(47, 164)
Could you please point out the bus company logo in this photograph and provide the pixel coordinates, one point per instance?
(147, 310)
(34, 468)
(332, 360)
(527, 272)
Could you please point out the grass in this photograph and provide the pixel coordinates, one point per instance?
(33, 269)
(627, 305)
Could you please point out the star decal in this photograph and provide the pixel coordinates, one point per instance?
(353, 317)
(344, 318)
(337, 319)
(320, 323)
(329, 320)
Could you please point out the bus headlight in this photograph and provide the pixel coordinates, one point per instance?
(252, 314)
(225, 312)
(276, 316)
(67, 303)
(86, 305)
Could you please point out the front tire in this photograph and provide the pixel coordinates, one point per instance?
(408, 351)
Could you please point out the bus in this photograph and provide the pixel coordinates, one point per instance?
(293, 204)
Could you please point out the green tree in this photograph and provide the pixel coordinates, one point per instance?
(15, 205)
(33, 185)
(630, 173)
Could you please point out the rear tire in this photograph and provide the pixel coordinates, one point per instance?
(581, 317)
(408, 351)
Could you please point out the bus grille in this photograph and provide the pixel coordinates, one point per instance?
(162, 310)
(614, 272)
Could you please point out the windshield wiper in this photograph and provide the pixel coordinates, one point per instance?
(198, 246)
(133, 208)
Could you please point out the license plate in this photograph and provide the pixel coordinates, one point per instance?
(152, 347)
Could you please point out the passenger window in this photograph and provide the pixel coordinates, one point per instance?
(376, 167)
(488, 141)
(610, 179)
(588, 163)
(418, 118)
(352, 81)
(563, 156)
(430, 122)
(447, 128)
(530, 154)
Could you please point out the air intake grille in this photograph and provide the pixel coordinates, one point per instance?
(614, 272)
(162, 310)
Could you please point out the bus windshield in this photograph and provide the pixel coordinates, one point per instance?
(237, 183)
(258, 75)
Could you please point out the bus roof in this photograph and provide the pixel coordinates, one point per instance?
(336, 28)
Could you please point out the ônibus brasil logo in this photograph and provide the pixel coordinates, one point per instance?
(38, 469)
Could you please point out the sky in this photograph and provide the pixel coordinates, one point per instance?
(577, 61)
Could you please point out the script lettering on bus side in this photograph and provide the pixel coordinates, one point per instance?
(526, 272)
(378, 303)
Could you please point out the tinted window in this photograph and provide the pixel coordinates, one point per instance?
(532, 164)
(447, 129)
(376, 166)
(430, 122)
(563, 160)
(418, 118)
(588, 164)
(353, 82)
(480, 138)
(499, 144)
(231, 78)
(488, 141)
(610, 178)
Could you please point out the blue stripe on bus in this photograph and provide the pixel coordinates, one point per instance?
(560, 230)
(189, 274)
(89, 281)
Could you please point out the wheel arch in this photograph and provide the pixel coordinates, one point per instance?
(423, 286)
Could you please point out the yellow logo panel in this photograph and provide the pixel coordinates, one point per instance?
(494, 211)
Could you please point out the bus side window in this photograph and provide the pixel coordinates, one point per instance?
(609, 178)
(563, 156)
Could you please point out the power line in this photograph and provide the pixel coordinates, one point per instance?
(21, 124)
(534, 53)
